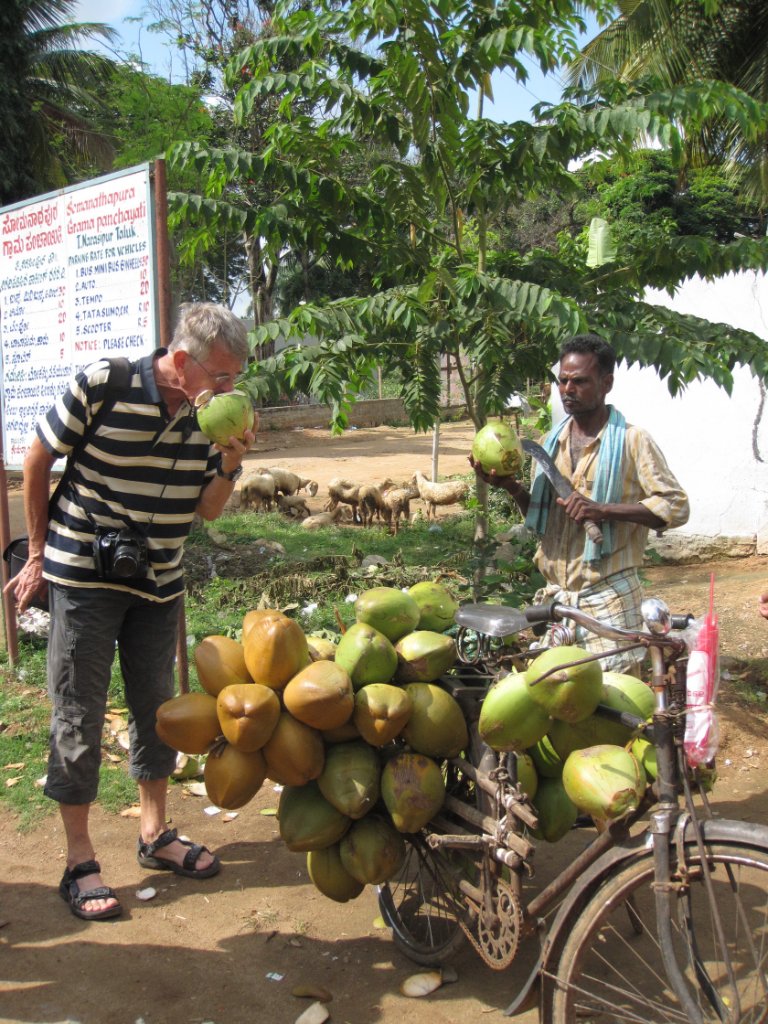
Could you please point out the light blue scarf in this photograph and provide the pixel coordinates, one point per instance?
(607, 486)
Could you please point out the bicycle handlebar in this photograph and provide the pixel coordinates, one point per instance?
(500, 621)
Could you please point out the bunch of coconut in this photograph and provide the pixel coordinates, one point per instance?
(561, 718)
(355, 734)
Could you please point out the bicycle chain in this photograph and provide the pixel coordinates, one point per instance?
(497, 944)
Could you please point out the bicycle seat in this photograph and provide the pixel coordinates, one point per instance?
(492, 619)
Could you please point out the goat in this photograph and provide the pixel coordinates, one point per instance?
(322, 519)
(449, 492)
(293, 505)
(343, 492)
(372, 502)
(257, 491)
(396, 502)
(288, 482)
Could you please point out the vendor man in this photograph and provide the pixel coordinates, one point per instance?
(621, 482)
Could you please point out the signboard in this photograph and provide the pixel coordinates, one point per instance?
(77, 282)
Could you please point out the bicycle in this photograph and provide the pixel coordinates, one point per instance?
(662, 917)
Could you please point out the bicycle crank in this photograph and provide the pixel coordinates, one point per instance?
(495, 934)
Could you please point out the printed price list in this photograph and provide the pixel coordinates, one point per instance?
(77, 283)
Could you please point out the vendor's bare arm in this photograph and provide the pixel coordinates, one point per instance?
(580, 508)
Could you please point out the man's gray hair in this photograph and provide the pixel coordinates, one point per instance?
(201, 324)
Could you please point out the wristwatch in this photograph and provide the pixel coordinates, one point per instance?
(234, 475)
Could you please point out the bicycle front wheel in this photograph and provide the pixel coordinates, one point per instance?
(611, 966)
(422, 904)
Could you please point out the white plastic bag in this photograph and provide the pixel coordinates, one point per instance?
(701, 731)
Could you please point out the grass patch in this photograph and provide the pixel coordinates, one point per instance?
(245, 562)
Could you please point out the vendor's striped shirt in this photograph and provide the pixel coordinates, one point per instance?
(646, 479)
(140, 469)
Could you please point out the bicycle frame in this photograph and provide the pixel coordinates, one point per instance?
(672, 822)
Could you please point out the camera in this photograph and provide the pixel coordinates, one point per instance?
(120, 554)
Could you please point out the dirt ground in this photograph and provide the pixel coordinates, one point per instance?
(230, 950)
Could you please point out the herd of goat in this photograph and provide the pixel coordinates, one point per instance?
(386, 503)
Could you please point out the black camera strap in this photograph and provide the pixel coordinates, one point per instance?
(117, 385)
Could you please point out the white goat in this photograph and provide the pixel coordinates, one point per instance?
(323, 519)
(343, 492)
(449, 492)
(257, 491)
(397, 502)
(293, 505)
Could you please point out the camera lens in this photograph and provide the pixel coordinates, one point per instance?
(124, 560)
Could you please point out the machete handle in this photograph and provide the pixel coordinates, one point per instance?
(594, 532)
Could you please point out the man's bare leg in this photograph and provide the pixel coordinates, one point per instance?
(152, 798)
(80, 849)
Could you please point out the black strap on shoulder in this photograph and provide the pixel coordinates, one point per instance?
(117, 384)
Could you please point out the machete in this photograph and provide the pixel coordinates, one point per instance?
(562, 487)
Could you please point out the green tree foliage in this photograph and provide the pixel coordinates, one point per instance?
(46, 85)
(673, 42)
(396, 78)
(142, 115)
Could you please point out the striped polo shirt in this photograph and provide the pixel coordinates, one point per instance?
(141, 468)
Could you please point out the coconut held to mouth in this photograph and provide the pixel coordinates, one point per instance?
(229, 414)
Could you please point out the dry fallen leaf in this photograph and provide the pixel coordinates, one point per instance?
(12, 782)
(134, 811)
(16, 767)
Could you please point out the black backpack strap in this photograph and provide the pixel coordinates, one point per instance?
(118, 383)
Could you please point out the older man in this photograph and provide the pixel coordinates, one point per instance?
(621, 482)
(145, 470)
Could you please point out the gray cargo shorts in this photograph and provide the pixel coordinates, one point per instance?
(86, 626)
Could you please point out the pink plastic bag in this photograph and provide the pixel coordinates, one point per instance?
(701, 732)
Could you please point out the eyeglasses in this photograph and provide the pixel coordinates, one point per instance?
(218, 379)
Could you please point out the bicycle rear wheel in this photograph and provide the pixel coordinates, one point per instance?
(422, 904)
(611, 967)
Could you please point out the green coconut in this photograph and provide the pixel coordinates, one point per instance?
(367, 655)
(436, 726)
(510, 719)
(381, 712)
(437, 606)
(330, 877)
(548, 762)
(423, 656)
(570, 692)
(620, 693)
(496, 447)
(605, 781)
(555, 810)
(527, 775)
(372, 851)
(350, 778)
(627, 693)
(391, 611)
(229, 414)
(645, 752)
(307, 820)
(412, 789)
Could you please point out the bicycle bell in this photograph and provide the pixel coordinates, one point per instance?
(656, 616)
